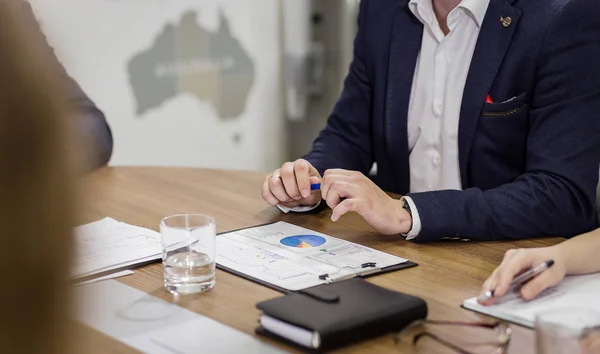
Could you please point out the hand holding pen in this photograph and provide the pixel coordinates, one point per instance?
(528, 271)
(295, 184)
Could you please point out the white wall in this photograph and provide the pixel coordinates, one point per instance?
(96, 39)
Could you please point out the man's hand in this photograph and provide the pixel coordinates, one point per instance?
(347, 191)
(290, 185)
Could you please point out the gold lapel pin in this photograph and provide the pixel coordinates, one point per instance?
(506, 21)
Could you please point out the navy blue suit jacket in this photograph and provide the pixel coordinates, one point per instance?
(529, 166)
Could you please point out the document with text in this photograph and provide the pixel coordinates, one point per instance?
(574, 292)
(109, 244)
(293, 258)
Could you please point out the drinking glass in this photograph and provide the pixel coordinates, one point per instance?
(188, 244)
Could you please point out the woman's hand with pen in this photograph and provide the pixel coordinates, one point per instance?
(518, 261)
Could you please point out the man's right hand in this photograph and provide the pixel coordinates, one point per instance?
(290, 185)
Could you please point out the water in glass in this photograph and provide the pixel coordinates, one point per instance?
(188, 253)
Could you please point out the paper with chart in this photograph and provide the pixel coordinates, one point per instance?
(292, 257)
(109, 244)
(574, 292)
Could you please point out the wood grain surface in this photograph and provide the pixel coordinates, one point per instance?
(448, 272)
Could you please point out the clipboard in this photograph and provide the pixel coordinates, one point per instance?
(404, 265)
(407, 264)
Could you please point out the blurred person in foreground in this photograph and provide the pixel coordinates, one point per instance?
(37, 196)
(89, 122)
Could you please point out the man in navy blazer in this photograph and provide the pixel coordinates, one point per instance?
(514, 135)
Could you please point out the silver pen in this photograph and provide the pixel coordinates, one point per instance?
(521, 279)
(354, 275)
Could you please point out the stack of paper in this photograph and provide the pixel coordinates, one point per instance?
(108, 244)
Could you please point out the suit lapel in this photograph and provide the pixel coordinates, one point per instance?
(492, 44)
(405, 44)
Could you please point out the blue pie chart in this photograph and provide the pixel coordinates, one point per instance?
(303, 241)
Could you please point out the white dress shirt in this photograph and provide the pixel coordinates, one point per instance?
(436, 97)
(437, 90)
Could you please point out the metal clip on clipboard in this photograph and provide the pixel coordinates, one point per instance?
(367, 268)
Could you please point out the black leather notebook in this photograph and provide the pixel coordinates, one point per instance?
(333, 315)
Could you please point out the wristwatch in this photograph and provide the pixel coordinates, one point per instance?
(406, 207)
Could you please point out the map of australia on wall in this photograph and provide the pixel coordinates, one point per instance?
(186, 58)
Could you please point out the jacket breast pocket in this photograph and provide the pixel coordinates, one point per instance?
(501, 138)
(506, 108)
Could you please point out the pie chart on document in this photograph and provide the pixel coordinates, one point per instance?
(303, 241)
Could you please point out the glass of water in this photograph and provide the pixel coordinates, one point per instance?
(188, 243)
(568, 331)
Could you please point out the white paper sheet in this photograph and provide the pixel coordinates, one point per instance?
(154, 326)
(299, 335)
(107, 277)
(108, 244)
(292, 257)
(574, 292)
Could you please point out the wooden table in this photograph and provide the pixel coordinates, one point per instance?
(447, 273)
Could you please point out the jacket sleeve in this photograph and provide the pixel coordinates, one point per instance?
(556, 195)
(345, 142)
(90, 124)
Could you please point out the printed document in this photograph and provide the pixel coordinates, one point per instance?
(109, 244)
(108, 277)
(155, 326)
(295, 258)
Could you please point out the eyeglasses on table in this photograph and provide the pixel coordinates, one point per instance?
(478, 337)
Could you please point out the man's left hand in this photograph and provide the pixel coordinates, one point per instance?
(346, 191)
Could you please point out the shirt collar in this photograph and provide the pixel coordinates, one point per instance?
(423, 9)
(477, 8)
